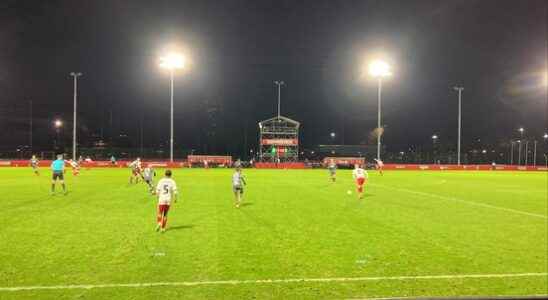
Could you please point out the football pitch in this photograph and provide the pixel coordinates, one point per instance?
(297, 236)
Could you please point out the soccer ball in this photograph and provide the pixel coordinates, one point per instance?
(349, 192)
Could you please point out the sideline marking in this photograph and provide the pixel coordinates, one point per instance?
(463, 201)
(260, 281)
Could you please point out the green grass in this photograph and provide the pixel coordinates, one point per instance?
(295, 224)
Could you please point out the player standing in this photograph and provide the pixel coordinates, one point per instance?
(332, 167)
(360, 176)
(34, 165)
(148, 177)
(75, 167)
(167, 191)
(135, 167)
(238, 183)
(58, 169)
(379, 165)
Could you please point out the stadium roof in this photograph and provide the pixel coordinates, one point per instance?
(280, 118)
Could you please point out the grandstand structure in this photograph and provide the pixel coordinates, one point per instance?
(279, 140)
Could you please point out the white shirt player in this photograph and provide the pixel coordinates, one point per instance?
(135, 165)
(237, 179)
(147, 173)
(359, 173)
(166, 190)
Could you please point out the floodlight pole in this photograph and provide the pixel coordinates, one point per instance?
(279, 84)
(379, 132)
(511, 152)
(459, 89)
(526, 152)
(535, 154)
(171, 121)
(75, 76)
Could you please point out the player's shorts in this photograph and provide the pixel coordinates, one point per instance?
(135, 172)
(163, 209)
(148, 180)
(34, 166)
(58, 175)
(360, 181)
(332, 171)
(238, 188)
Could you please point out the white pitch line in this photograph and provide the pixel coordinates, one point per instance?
(463, 201)
(265, 281)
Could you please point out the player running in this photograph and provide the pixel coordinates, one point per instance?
(332, 168)
(58, 169)
(379, 165)
(34, 165)
(360, 176)
(238, 183)
(148, 177)
(167, 191)
(135, 170)
(75, 167)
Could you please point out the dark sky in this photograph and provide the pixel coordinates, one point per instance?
(496, 49)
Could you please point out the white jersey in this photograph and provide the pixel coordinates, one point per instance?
(166, 190)
(237, 179)
(135, 165)
(379, 162)
(359, 173)
(148, 173)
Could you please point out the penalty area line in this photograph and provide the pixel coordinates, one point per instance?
(267, 281)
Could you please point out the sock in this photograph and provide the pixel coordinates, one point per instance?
(164, 222)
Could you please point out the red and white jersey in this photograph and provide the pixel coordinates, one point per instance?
(135, 165)
(359, 173)
(379, 163)
(166, 190)
(73, 164)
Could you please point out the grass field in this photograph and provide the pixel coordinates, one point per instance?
(414, 234)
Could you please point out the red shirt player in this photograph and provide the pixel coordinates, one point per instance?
(75, 167)
(360, 176)
(379, 165)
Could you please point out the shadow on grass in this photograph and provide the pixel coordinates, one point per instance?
(181, 227)
(246, 204)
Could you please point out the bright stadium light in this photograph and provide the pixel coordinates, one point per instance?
(545, 136)
(332, 135)
(58, 123)
(521, 129)
(379, 69)
(172, 62)
(434, 137)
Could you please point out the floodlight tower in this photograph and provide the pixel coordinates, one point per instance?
(279, 84)
(75, 76)
(521, 130)
(57, 124)
(379, 69)
(459, 89)
(172, 62)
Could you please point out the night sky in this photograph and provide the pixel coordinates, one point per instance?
(496, 49)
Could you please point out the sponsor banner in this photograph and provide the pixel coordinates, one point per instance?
(219, 159)
(280, 142)
(289, 165)
(5, 163)
(345, 161)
